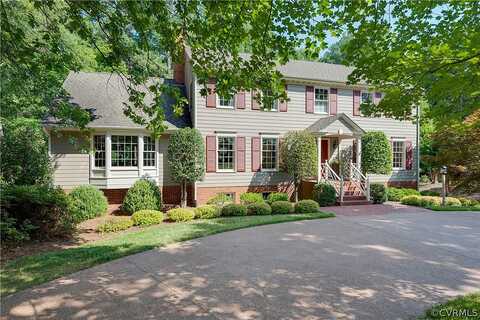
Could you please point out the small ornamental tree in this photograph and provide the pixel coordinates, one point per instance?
(298, 153)
(376, 153)
(186, 158)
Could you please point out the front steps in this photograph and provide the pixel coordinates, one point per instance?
(352, 195)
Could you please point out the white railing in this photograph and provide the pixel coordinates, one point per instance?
(329, 176)
(355, 175)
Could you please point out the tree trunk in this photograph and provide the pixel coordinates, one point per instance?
(183, 192)
(295, 185)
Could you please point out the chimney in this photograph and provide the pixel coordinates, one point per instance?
(179, 73)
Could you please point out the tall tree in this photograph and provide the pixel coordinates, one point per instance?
(336, 52)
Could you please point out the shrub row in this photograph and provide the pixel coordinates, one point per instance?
(396, 194)
(429, 201)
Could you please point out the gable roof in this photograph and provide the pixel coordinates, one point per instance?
(313, 70)
(329, 123)
(104, 95)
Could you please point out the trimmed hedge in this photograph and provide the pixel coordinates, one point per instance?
(466, 202)
(282, 207)
(180, 214)
(277, 196)
(429, 202)
(396, 194)
(143, 195)
(251, 197)
(219, 200)
(306, 206)
(234, 209)
(254, 209)
(378, 193)
(115, 225)
(87, 202)
(412, 200)
(324, 194)
(207, 212)
(147, 217)
(430, 193)
(376, 153)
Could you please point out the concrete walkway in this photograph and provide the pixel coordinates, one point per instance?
(365, 267)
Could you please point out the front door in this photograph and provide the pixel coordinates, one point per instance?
(325, 152)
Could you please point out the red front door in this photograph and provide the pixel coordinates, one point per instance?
(324, 157)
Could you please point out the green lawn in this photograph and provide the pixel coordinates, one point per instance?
(447, 208)
(32, 270)
(462, 308)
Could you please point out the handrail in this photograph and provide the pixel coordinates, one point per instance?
(329, 176)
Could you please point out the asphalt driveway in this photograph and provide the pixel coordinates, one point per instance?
(364, 267)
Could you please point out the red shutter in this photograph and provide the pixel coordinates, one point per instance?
(409, 155)
(211, 97)
(240, 100)
(255, 154)
(255, 104)
(333, 101)
(211, 153)
(240, 154)
(356, 102)
(283, 104)
(377, 97)
(309, 99)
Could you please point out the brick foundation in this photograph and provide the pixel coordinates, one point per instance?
(205, 193)
(170, 195)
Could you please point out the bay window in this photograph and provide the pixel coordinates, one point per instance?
(124, 151)
(321, 100)
(269, 153)
(226, 153)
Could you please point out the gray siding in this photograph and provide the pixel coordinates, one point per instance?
(250, 123)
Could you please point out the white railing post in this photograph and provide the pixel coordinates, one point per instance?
(341, 189)
(368, 189)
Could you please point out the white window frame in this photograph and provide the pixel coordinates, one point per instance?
(219, 105)
(113, 168)
(368, 92)
(274, 106)
(277, 160)
(315, 99)
(404, 154)
(154, 153)
(234, 136)
(95, 150)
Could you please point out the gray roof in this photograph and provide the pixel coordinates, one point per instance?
(104, 95)
(325, 122)
(312, 70)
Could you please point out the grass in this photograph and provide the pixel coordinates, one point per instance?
(449, 208)
(461, 308)
(36, 269)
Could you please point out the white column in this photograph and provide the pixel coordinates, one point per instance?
(108, 154)
(319, 158)
(358, 152)
(140, 155)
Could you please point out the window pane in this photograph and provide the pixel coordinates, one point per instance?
(226, 153)
(321, 100)
(226, 102)
(366, 97)
(124, 151)
(269, 153)
(148, 152)
(398, 154)
(99, 146)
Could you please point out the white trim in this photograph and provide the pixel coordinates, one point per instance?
(219, 106)
(108, 154)
(234, 152)
(277, 160)
(328, 100)
(404, 154)
(140, 155)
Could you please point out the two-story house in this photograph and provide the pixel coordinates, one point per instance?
(241, 138)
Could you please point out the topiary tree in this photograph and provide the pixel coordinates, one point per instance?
(186, 158)
(143, 195)
(298, 153)
(376, 153)
(24, 152)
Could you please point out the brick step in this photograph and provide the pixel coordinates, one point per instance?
(354, 203)
(354, 198)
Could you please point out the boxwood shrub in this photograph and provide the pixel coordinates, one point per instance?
(376, 153)
(452, 202)
(427, 201)
(324, 194)
(115, 225)
(180, 214)
(234, 209)
(466, 202)
(207, 212)
(378, 193)
(277, 196)
(396, 194)
(87, 202)
(251, 197)
(259, 209)
(412, 200)
(143, 195)
(147, 217)
(306, 206)
(282, 207)
(430, 193)
(220, 200)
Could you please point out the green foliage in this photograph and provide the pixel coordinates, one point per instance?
(469, 303)
(208, 212)
(324, 194)
(251, 197)
(306, 206)
(396, 194)
(466, 202)
(336, 52)
(220, 200)
(180, 214)
(412, 200)
(428, 201)
(376, 153)
(378, 193)
(147, 217)
(452, 202)
(40, 210)
(234, 209)
(277, 196)
(430, 193)
(143, 195)
(87, 202)
(24, 152)
(186, 158)
(282, 207)
(298, 153)
(259, 208)
(13, 232)
(115, 225)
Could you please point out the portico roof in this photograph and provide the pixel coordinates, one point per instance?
(337, 125)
